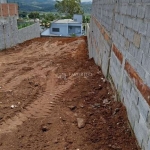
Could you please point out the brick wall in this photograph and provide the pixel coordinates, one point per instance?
(7, 10)
(119, 41)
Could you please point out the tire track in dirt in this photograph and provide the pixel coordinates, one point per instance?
(40, 108)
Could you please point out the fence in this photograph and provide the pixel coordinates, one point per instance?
(10, 35)
(119, 42)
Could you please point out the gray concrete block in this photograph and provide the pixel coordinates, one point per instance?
(134, 11)
(131, 53)
(129, 10)
(130, 117)
(147, 147)
(2, 40)
(148, 30)
(131, 1)
(135, 111)
(122, 29)
(147, 78)
(124, 9)
(145, 42)
(134, 95)
(141, 131)
(137, 40)
(146, 62)
(141, 11)
(130, 35)
(129, 25)
(142, 27)
(148, 119)
(143, 107)
(137, 65)
(122, 40)
(145, 1)
(147, 12)
(134, 114)
(127, 44)
(121, 19)
(135, 24)
(138, 1)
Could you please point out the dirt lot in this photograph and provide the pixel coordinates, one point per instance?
(52, 97)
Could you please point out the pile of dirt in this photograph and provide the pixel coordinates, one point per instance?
(52, 97)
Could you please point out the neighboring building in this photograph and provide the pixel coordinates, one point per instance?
(65, 27)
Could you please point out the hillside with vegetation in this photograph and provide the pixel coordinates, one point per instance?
(44, 5)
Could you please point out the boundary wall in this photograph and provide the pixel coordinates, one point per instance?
(119, 42)
(10, 35)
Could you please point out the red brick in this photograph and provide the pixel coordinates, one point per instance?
(16, 10)
(8, 10)
(141, 86)
(5, 10)
(118, 53)
(102, 30)
(0, 10)
(12, 10)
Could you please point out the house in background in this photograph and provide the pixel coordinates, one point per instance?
(65, 27)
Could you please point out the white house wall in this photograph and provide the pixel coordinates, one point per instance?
(75, 24)
(46, 32)
(75, 30)
(77, 18)
(63, 29)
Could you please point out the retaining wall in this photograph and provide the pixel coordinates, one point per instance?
(28, 33)
(119, 42)
(10, 35)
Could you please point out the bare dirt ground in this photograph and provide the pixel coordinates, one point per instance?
(52, 97)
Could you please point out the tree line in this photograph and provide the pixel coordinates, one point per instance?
(65, 9)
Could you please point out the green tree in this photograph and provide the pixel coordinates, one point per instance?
(34, 15)
(69, 7)
(86, 19)
(47, 18)
(23, 14)
(50, 17)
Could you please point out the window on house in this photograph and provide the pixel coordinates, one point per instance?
(55, 29)
(70, 28)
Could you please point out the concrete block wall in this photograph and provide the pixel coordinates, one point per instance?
(9, 32)
(119, 42)
(10, 35)
(28, 33)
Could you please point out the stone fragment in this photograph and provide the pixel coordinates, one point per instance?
(81, 123)
(72, 107)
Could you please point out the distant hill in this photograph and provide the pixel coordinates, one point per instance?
(43, 5)
(30, 1)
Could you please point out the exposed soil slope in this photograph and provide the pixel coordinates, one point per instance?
(52, 97)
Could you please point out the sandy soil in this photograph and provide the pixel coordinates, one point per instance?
(52, 97)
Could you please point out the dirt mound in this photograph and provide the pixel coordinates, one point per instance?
(52, 97)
